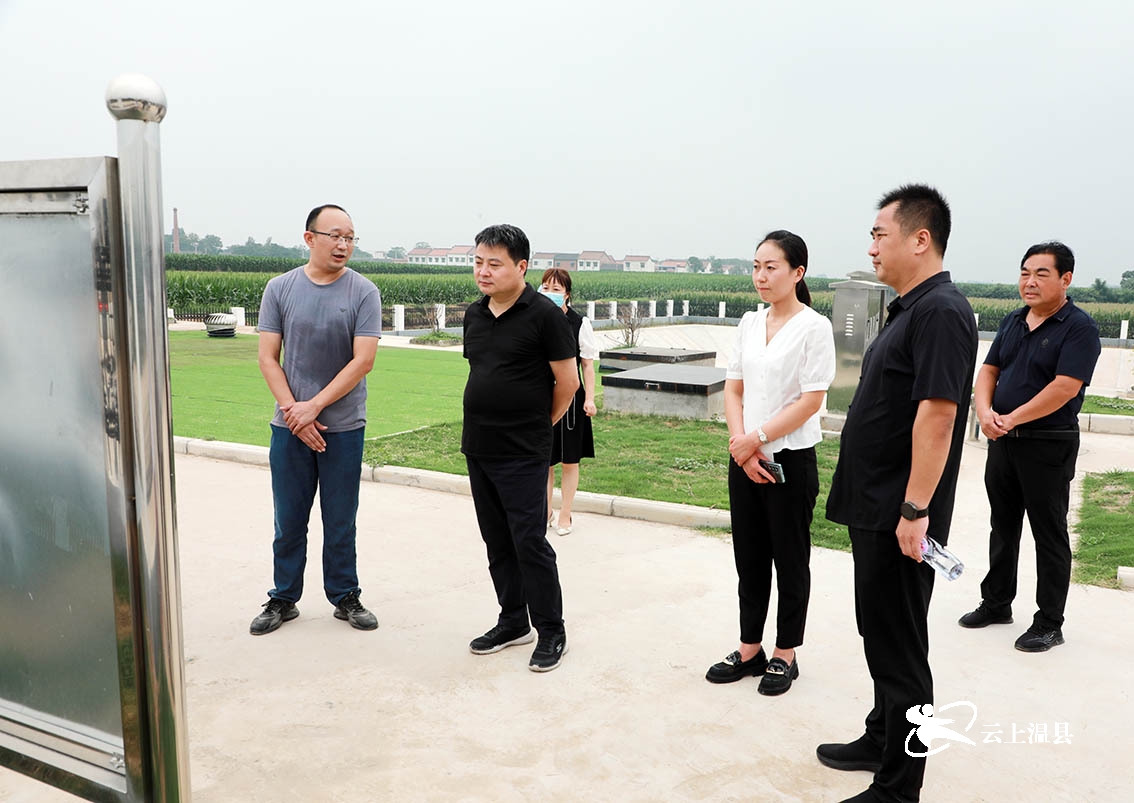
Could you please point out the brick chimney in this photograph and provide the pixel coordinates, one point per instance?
(176, 233)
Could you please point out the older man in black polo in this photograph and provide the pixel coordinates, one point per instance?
(894, 484)
(522, 377)
(1028, 396)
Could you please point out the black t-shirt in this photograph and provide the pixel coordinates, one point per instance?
(508, 394)
(926, 350)
(1066, 344)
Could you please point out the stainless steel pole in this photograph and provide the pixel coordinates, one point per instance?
(138, 104)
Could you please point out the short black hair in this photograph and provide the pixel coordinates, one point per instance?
(921, 207)
(795, 251)
(1064, 258)
(511, 237)
(313, 215)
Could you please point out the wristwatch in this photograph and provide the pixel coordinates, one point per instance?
(912, 512)
(761, 435)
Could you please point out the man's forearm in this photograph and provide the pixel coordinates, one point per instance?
(932, 435)
(1055, 394)
(277, 382)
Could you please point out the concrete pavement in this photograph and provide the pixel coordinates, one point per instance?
(320, 712)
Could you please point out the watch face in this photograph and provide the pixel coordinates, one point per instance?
(912, 512)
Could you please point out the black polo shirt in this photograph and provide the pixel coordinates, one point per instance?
(508, 394)
(1066, 344)
(926, 350)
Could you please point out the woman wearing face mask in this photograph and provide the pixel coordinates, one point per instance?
(573, 438)
(781, 366)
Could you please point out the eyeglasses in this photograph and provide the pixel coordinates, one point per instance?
(341, 237)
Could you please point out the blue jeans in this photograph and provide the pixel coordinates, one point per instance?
(296, 473)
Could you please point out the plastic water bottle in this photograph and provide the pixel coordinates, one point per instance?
(945, 562)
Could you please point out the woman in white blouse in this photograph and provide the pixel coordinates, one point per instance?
(573, 438)
(781, 366)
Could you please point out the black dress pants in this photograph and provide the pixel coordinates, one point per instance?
(891, 595)
(510, 497)
(771, 524)
(1030, 475)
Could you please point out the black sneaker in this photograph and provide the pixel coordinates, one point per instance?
(778, 677)
(500, 637)
(732, 669)
(548, 652)
(1039, 639)
(351, 610)
(275, 613)
(984, 616)
(861, 754)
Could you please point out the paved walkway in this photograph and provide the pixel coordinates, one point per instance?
(320, 712)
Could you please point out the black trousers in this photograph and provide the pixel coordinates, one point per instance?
(1030, 475)
(771, 524)
(891, 598)
(510, 497)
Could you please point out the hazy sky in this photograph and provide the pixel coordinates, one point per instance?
(655, 126)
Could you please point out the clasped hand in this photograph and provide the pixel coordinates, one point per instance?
(745, 450)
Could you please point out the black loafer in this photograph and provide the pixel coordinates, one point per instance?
(732, 669)
(778, 676)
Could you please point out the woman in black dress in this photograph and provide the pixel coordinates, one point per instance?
(573, 438)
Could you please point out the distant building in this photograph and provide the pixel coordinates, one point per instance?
(638, 263)
(541, 261)
(461, 255)
(418, 256)
(673, 266)
(594, 260)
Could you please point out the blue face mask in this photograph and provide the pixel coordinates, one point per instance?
(557, 298)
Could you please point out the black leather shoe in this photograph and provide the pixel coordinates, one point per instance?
(1039, 639)
(275, 613)
(984, 616)
(732, 669)
(861, 754)
(778, 676)
(351, 610)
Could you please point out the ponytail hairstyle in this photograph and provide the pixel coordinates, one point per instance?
(795, 251)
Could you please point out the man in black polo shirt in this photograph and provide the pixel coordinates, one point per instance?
(522, 377)
(1028, 396)
(894, 484)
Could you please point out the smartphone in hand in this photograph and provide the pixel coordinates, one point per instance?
(775, 469)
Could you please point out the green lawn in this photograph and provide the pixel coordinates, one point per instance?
(1108, 406)
(219, 394)
(1106, 528)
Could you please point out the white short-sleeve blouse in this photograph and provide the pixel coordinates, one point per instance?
(588, 344)
(799, 359)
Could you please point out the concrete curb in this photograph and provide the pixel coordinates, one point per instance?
(617, 506)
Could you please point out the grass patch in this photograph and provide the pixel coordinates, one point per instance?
(1104, 405)
(218, 392)
(1105, 528)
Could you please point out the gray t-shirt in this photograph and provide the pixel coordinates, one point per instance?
(319, 323)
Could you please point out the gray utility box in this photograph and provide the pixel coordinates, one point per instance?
(629, 359)
(857, 315)
(673, 391)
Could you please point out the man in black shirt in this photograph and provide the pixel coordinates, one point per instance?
(894, 484)
(522, 377)
(1028, 396)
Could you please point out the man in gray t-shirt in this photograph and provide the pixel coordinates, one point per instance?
(326, 320)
